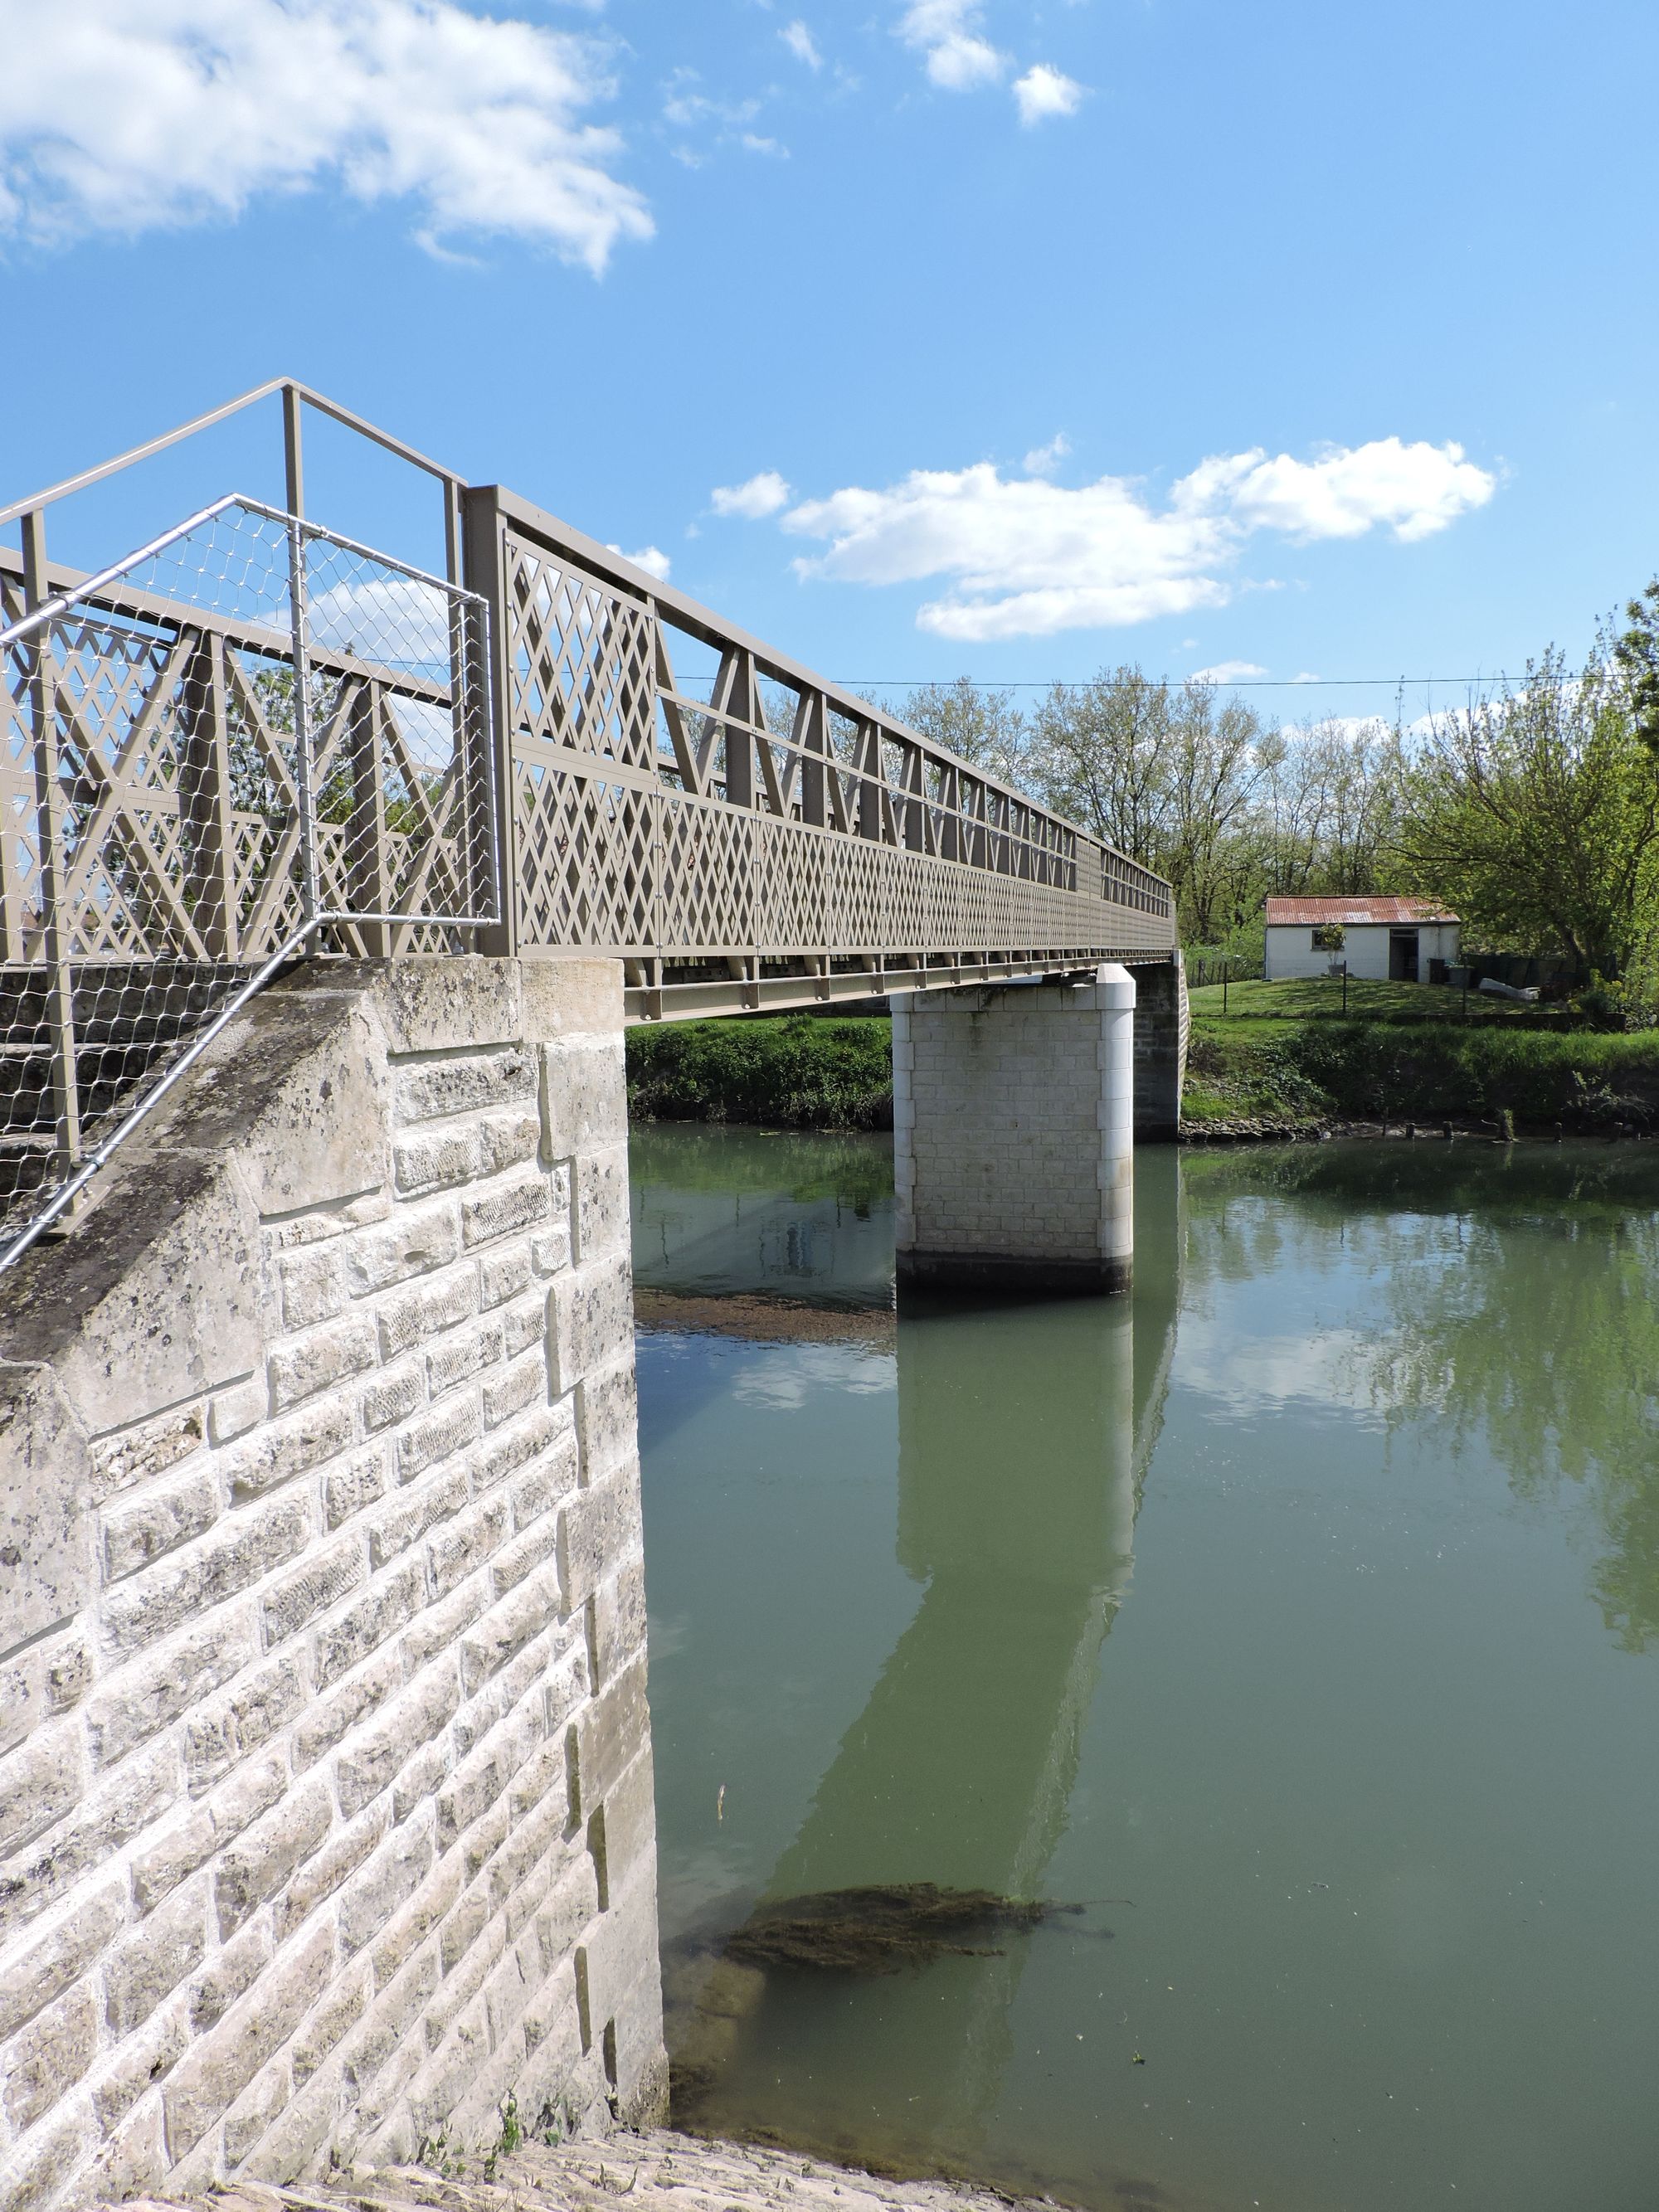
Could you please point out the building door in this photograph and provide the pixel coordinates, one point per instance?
(1402, 955)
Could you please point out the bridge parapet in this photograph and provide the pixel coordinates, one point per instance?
(760, 836)
(254, 739)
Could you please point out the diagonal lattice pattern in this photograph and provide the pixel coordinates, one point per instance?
(755, 816)
(253, 736)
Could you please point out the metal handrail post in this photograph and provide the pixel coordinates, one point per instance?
(486, 576)
(311, 899)
(49, 829)
(294, 469)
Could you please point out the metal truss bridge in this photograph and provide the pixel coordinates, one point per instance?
(253, 740)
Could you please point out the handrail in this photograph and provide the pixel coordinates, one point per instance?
(712, 629)
(331, 408)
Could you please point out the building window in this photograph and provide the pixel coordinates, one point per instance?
(1328, 938)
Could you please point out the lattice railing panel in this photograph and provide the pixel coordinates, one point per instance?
(585, 869)
(252, 738)
(579, 655)
(759, 815)
(707, 859)
(791, 888)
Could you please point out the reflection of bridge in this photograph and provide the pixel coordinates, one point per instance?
(1020, 1473)
(254, 738)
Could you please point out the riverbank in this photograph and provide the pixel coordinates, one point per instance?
(657, 2171)
(1258, 1070)
(1280, 1062)
(784, 1071)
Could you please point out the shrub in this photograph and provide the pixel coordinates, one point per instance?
(791, 1070)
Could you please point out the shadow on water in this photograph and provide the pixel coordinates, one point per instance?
(1024, 1434)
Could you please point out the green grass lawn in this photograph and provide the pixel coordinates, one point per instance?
(1319, 998)
(1283, 1053)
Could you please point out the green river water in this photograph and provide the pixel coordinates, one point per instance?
(1298, 1615)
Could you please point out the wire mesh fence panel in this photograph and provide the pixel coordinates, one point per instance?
(251, 738)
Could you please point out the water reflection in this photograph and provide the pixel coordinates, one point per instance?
(1522, 1316)
(1259, 1598)
(721, 1211)
(1024, 1434)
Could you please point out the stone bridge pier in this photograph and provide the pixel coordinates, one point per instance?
(1016, 1110)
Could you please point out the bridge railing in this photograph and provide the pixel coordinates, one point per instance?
(250, 738)
(762, 836)
(254, 738)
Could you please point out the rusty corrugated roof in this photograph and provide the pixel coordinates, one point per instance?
(1306, 913)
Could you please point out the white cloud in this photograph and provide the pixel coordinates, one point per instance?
(1227, 671)
(685, 106)
(1027, 558)
(1042, 460)
(654, 562)
(793, 1377)
(384, 617)
(1305, 676)
(1415, 490)
(1327, 1371)
(142, 113)
(753, 144)
(801, 43)
(761, 495)
(947, 33)
(1042, 92)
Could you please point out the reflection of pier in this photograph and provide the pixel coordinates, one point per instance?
(1023, 1439)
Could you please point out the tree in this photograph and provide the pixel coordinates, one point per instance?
(1536, 815)
(1169, 775)
(1636, 654)
(986, 728)
(1328, 800)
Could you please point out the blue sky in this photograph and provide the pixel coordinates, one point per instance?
(1023, 338)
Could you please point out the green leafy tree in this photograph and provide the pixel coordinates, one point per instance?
(1172, 775)
(985, 727)
(1536, 815)
(1637, 653)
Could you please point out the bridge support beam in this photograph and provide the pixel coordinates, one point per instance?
(1013, 1133)
(1161, 1028)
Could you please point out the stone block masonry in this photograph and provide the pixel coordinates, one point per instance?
(1014, 1156)
(325, 1806)
(1163, 1020)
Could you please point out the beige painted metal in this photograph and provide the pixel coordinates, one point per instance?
(253, 738)
(768, 839)
(249, 739)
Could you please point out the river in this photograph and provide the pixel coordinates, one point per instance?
(1296, 1618)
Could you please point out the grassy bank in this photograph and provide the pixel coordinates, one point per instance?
(1281, 1055)
(1284, 1053)
(784, 1071)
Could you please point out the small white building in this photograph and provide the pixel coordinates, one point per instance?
(1400, 940)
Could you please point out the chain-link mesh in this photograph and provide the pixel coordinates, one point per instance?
(252, 739)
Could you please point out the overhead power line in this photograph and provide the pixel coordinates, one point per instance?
(1224, 684)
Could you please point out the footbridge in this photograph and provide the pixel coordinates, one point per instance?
(329, 883)
(254, 739)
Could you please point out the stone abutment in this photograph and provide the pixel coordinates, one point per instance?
(326, 1822)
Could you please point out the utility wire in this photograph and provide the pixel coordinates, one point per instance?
(1243, 683)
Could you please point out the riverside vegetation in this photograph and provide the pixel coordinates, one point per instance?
(1532, 809)
(1280, 1056)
